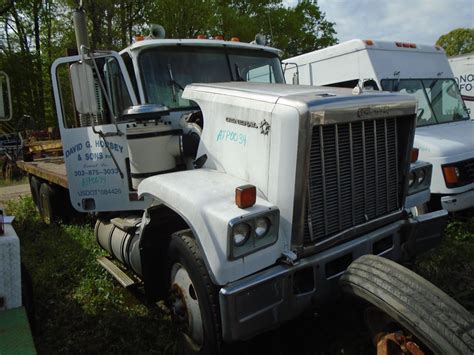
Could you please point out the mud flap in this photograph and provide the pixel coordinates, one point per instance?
(423, 233)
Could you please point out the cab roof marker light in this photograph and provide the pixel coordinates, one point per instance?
(219, 37)
(201, 37)
(139, 38)
(245, 196)
(412, 45)
(368, 42)
(399, 44)
(235, 39)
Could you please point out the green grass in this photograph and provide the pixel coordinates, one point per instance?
(451, 265)
(80, 308)
(78, 305)
(21, 181)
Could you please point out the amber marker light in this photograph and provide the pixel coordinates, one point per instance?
(451, 175)
(414, 155)
(235, 39)
(245, 196)
(368, 42)
(219, 38)
(201, 36)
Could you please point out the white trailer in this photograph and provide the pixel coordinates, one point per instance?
(463, 70)
(444, 133)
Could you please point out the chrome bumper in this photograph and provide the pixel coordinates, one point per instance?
(266, 299)
(458, 202)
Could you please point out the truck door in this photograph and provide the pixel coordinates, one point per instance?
(90, 93)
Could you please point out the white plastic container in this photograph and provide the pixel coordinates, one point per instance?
(10, 269)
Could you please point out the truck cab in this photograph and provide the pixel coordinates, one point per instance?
(419, 70)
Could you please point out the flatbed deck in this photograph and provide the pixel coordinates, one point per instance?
(50, 169)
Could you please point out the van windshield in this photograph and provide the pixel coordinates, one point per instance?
(167, 70)
(439, 100)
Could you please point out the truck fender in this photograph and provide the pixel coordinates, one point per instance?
(205, 199)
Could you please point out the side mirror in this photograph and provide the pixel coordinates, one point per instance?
(85, 89)
(5, 98)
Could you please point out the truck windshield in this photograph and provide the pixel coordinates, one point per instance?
(439, 100)
(167, 70)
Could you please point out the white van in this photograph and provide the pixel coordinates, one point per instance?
(444, 135)
(463, 70)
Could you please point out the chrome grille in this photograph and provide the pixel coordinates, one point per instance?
(466, 168)
(353, 176)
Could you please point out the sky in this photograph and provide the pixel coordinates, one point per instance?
(418, 21)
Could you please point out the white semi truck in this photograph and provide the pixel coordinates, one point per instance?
(243, 203)
(463, 70)
(444, 133)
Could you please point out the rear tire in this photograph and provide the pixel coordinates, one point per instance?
(35, 185)
(439, 322)
(199, 318)
(47, 204)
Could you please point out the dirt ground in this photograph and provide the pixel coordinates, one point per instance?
(14, 191)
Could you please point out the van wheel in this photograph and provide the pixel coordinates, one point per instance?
(408, 311)
(47, 204)
(35, 185)
(192, 298)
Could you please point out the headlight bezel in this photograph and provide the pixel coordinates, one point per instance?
(253, 243)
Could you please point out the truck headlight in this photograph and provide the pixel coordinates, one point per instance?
(262, 226)
(411, 179)
(420, 176)
(240, 234)
(250, 233)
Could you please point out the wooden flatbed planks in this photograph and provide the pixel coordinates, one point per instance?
(49, 169)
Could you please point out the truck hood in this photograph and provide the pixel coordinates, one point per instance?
(445, 140)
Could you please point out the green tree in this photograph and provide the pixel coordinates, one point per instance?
(458, 41)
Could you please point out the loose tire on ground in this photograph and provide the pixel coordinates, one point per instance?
(439, 322)
(35, 184)
(184, 252)
(48, 204)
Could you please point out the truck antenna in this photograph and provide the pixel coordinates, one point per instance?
(271, 31)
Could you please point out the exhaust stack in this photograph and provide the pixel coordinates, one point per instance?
(80, 28)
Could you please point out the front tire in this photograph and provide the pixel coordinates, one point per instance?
(193, 297)
(440, 323)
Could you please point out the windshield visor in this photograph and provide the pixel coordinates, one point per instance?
(167, 70)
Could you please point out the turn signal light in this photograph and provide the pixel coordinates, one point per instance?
(414, 155)
(451, 175)
(245, 196)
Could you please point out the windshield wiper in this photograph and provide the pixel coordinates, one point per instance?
(174, 83)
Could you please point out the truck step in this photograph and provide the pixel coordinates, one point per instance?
(125, 280)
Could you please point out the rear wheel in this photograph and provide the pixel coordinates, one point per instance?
(408, 309)
(35, 185)
(193, 298)
(47, 204)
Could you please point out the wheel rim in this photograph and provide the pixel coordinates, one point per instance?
(185, 306)
(389, 336)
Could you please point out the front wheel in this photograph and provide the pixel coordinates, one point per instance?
(406, 306)
(193, 298)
